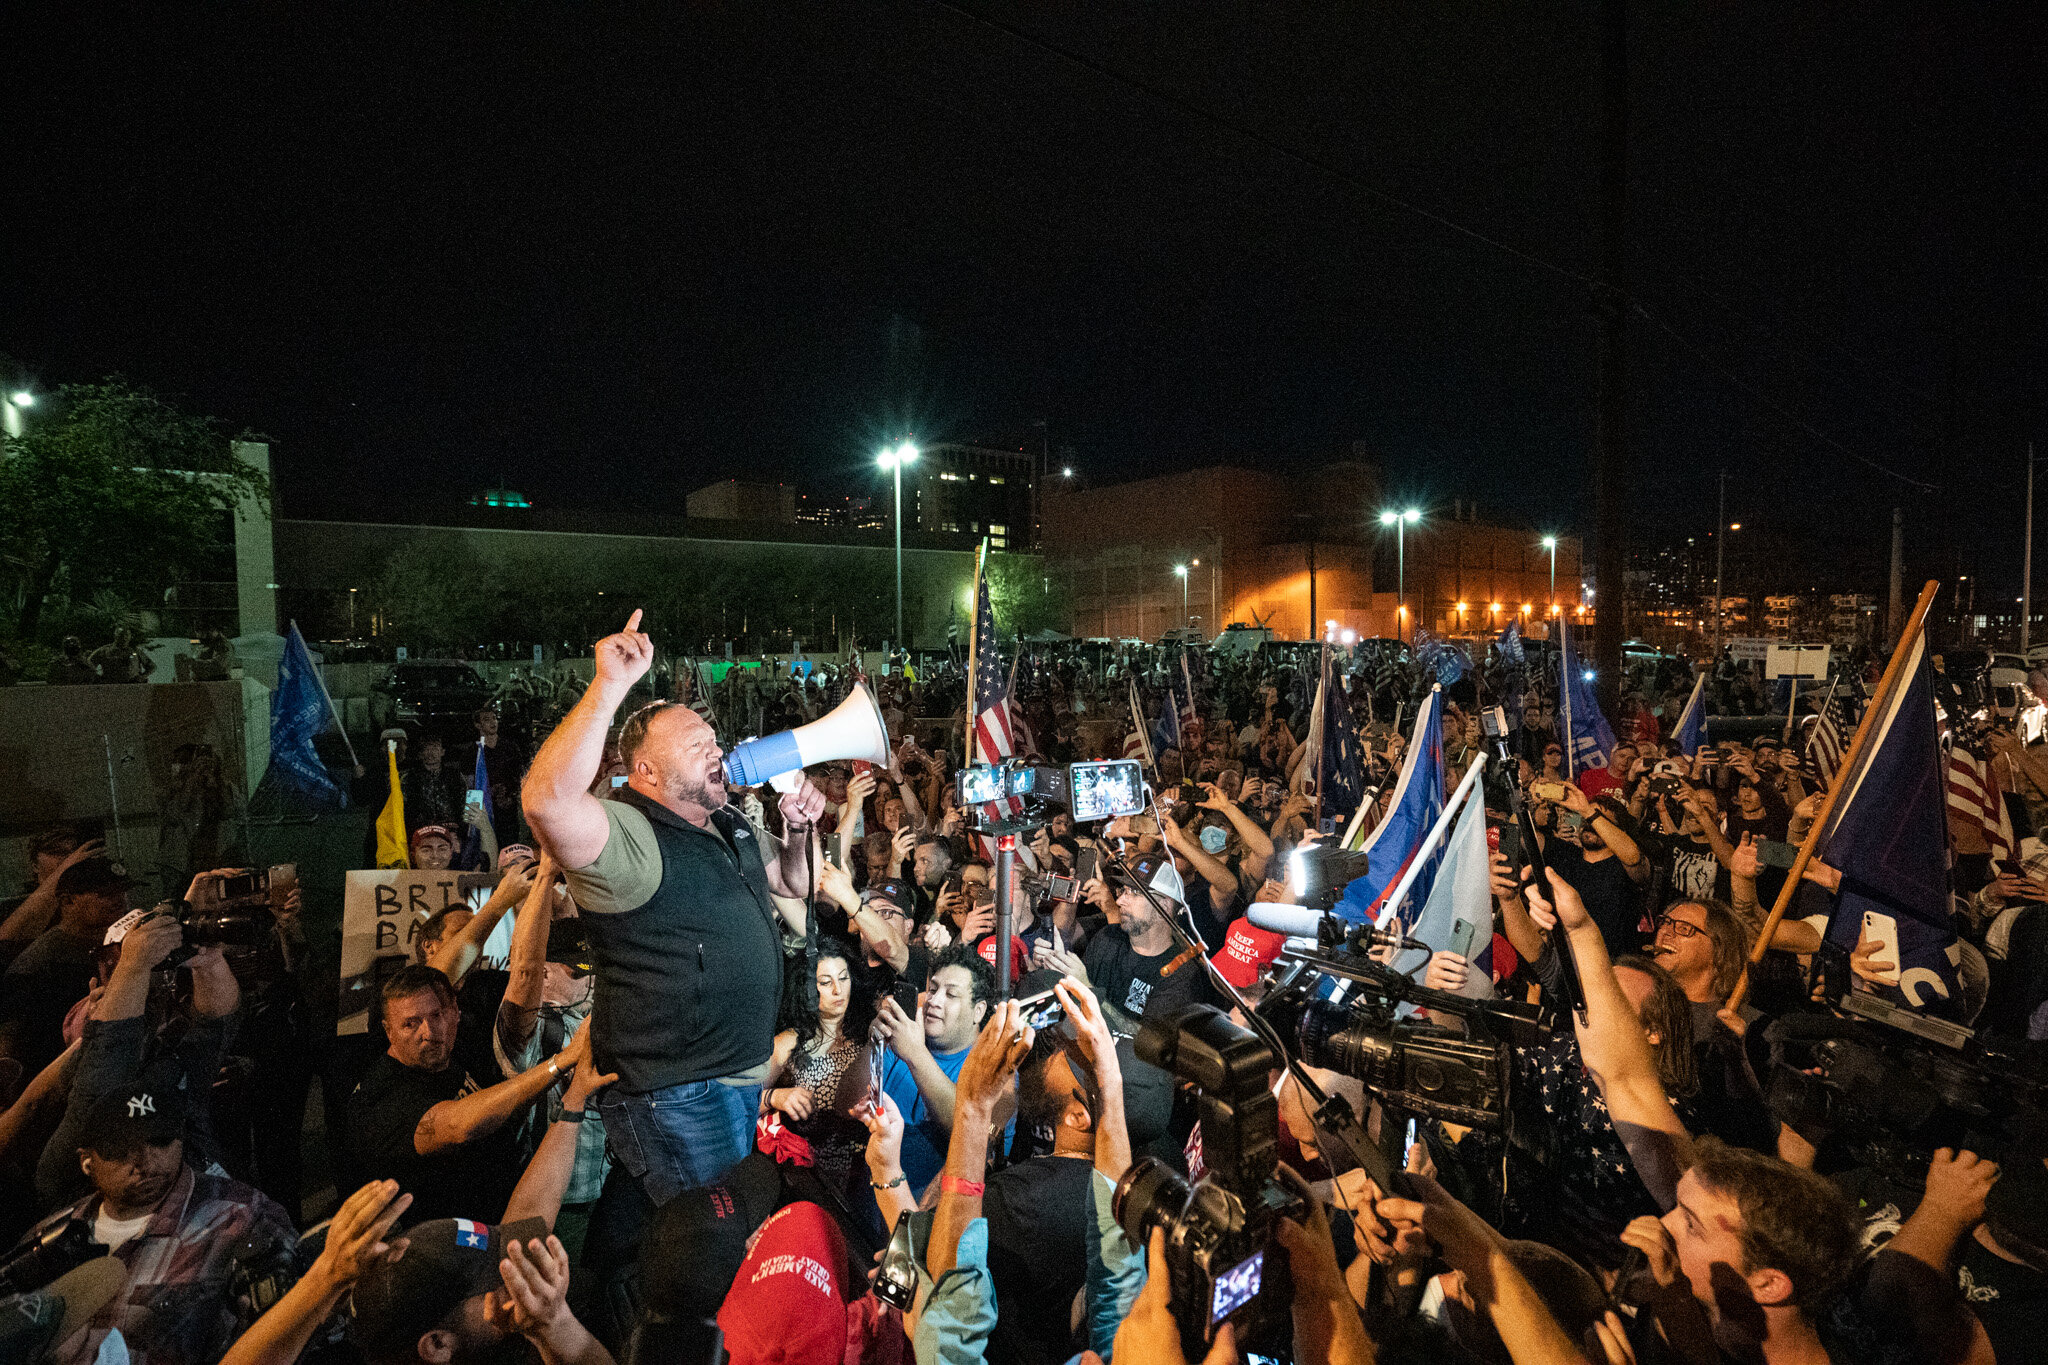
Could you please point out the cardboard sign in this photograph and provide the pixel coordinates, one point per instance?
(382, 910)
(1748, 647)
(1796, 661)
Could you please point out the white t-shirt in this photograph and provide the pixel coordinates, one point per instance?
(113, 1233)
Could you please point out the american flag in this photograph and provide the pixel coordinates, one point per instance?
(1020, 728)
(1134, 743)
(1974, 798)
(1190, 723)
(1831, 734)
(989, 738)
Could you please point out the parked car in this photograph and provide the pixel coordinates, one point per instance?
(429, 696)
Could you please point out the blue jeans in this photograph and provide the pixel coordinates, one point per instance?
(680, 1137)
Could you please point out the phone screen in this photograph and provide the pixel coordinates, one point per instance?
(619, 781)
(1237, 1287)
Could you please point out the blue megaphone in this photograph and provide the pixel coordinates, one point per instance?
(854, 729)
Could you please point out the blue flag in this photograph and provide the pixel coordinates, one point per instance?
(472, 857)
(1166, 730)
(1888, 837)
(1418, 804)
(299, 710)
(1690, 732)
(1509, 646)
(1588, 738)
(1343, 758)
(1439, 657)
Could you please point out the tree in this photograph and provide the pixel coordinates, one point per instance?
(114, 486)
(1025, 597)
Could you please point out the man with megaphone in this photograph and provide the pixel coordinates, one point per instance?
(675, 892)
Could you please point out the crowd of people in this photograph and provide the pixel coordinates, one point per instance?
(703, 1061)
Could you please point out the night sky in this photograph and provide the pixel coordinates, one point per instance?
(609, 256)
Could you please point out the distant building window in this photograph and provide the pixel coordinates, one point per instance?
(949, 526)
(995, 478)
(997, 528)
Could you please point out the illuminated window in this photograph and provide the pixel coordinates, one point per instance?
(995, 478)
(997, 528)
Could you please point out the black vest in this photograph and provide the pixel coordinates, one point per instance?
(688, 985)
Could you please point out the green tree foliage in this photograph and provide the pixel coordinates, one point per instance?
(1025, 597)
(114, 487)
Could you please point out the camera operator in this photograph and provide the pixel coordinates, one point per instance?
(123, 1036)
(53, 973)
(1135, 966)
(174, 1229)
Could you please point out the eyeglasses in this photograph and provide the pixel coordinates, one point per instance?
(1683, 929)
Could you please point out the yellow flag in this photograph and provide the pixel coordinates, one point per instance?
(391, 849)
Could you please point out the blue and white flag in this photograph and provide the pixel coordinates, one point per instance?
(1690, 732)
(1888, 837)
(1166, 729)
(1588, 737)
(1462, 896)
(299, 711)
(1440, 658)
(1509, 646)
(1418, 804)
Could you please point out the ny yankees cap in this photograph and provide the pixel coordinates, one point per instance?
(447, 1260)
(149, 1111)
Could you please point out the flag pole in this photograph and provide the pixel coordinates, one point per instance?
(1791, 710)
(354, 762)
(1430, 842)
(973, 649)
(1826, 702)
(1564, 697)
(1322, 739)
(1915, 624)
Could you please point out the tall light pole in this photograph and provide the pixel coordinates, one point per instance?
(1550, 544)
(1720, 544)
(1180, 571)
(894, 460)
(2027, 560)
(1400, 522)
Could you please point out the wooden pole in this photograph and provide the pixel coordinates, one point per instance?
(1914, 625)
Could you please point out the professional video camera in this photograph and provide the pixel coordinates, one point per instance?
(1894, 1085)
(1091, 791)
(1221, 1232)
(55, 1250)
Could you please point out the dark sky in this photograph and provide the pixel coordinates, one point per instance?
(613, 255)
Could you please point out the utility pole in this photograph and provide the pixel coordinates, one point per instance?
(2027, 560)
(1720, 546)
(1895, 610)
(1610, 300)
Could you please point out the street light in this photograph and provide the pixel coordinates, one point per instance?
(17, 403)
(1180, 571)
(894, 460)
(1400, 521)
(1550, 544)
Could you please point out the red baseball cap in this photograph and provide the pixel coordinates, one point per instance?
(789, 1302)
(1246, 948)
(1018, 954)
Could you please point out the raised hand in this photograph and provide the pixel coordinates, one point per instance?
(993, 1060)
(1746, 861)
(356, 1238)
(623, 659)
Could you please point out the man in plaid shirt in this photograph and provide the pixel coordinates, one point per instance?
(172, 1228)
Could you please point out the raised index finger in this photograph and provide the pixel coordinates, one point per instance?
(633, 621)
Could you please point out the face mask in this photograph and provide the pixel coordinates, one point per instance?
(1213, 839)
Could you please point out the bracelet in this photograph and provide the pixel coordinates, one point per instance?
(554, 1069)
(953, 1184)
(887, 1184)
(570, 1116)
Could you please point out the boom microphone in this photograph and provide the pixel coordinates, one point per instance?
(1298, 921)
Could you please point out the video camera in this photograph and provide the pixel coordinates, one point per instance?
(1895, 1085)
(1221, 1231)
(1091, 791)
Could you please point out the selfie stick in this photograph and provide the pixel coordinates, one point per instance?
(1006, 862)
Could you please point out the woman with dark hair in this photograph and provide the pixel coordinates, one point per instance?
(816, 1076)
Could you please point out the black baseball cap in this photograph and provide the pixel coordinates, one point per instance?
(94, 876)
(569, 945)
(34, 1324)
(447, 1260)
(148, 1112)
(697, 1241)
(894, 890)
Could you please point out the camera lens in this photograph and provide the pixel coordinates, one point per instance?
(1333, 1039)
(1150, 1195)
